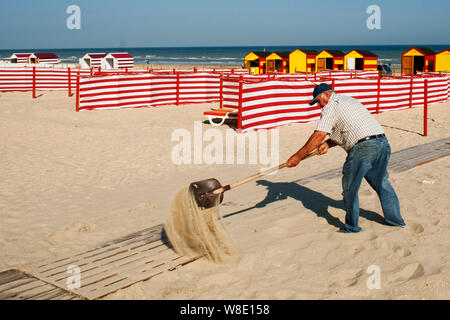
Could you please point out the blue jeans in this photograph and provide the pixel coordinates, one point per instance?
(369, 159)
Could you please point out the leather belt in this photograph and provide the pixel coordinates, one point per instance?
(371, 137)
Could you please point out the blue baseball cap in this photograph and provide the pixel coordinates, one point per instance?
(318, 90)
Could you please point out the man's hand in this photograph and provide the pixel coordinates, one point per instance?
(323, 148)
(293, 160)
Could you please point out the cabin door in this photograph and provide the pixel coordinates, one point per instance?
(359, 64)
(407, 66)
(329, 63)
(419, 64)
(351, 63)
(109, 63)
(321, 64)
(270, 65)
(278, 65)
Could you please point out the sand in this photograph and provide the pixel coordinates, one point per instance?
(195, 232)
(73, 181)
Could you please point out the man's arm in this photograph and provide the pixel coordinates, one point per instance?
(323, 148)
(314, 141)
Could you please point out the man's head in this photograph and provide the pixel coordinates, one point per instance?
(321, 94)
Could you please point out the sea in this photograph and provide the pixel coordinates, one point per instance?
(223, 56)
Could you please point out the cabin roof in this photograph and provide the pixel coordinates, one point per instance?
(262, 54)
(45, 55)
(366, 53)
(121, 55)
(335, 53)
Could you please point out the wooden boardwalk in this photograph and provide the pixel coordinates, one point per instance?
(103, 270)
(145, 254)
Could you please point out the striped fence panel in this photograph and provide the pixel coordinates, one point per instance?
(230, 88)
(230, 92)
(271, 103)
(146, 89)
(199, 87)
(16, 79)
(21, 79)
(364, 90)
(275, 103)
(114, 91)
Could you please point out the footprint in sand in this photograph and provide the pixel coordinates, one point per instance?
(403, 252)
(346, 278)
(81, 227)
(74, 227)
(398, 250)
(435, 222)
(357, 249)
(416, 227)
(411, 271)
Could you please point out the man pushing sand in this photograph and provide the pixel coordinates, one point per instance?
(351, 126)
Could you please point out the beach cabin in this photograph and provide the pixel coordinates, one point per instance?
(360, 60)
(20, 57)
(255, 61)
(118, 60)
(442, 63)
(92, 60)
(329, 60)
(278, 62)
(44, 58)
(302, 60)
(418, 59)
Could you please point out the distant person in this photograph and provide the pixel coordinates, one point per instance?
(351, 126)
(380, 70)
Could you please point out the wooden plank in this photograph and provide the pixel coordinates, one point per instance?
(41, 288)
(15, 284)
(23, 286)
(55, 294)
(10, 275)
(116, 271)
(119, 271)
(153, 233)
(87, 267)
(22, 289)
(156, 270)
(429, 160)
(89, 257)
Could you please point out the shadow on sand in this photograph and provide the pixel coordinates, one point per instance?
(310, 199)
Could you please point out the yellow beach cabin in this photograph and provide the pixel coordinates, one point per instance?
(360, 60)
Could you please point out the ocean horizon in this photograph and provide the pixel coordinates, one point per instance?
(226, 56)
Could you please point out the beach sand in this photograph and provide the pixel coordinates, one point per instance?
(72, 181)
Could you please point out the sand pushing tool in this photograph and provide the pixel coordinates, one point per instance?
(208, 193)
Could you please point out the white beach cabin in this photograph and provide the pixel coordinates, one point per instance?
(20, 57)
(118, 60)
(44, 58)
(92, 60)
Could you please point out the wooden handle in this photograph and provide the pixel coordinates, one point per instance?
(259, 174)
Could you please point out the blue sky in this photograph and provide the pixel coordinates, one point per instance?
(173, 23)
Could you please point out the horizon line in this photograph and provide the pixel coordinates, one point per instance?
(236, 46)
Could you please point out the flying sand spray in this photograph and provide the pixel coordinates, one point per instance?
(192, 226)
